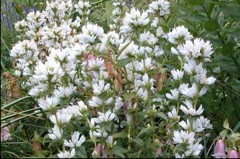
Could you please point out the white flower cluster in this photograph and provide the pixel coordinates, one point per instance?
(192, 54)
(117, 14)
(91, 81)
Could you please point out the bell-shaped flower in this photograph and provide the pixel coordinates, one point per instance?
(220, 149)
(233, 154)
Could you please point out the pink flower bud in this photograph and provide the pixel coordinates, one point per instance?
(91, 56)
(158, 152)
(219, 150)
(5, 135)
(100, 151)
(232, 154)
(238, 154)
(88, 57)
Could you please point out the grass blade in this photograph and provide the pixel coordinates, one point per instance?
(15, 102)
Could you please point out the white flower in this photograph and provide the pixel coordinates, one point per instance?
(179, 156)
(108, 101)
(81, 5)
(174, 94)
(179, 35)
(193, 91)
(177, 74)
(189, 110)
(148, 37)
(65, 91)
(62, 116)
(48, 102)
(56, 133)
(194, 150)
(173, 114)
(105, 117)
(190, 92)
(51, 68)
(159, 32)
(185, 125)
(197, 48)
(100, 87)
(97, 63)
(66, 154)
(98, 133)
(76, 140)
(204, 80)
(135, 18)
(142, 93)
(158, 51)
(114, 38)
(82, 106)
(190, 66)
(90, 33)
(183, 137)
(73, 110)
(110, 141)
(203, 123)
(95, 102)
(118, 104)
(161, 7)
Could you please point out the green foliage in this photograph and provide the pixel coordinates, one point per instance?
(217, 21)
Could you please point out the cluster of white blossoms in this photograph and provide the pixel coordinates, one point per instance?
(192, 53)
(93, 83)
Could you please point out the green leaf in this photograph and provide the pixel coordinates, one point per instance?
(120, 135)
(123, 62)
(15, 102)
(194, 17)
(124, 47)
(231, 10)
(162, 115)
(236, 127)
(81, 152)
(138, 141)
(228, 47)
(211, 25)
(118, 150)
(143, 131)
(195, 2)
(118, 153)
(135, 154)
(226, 124)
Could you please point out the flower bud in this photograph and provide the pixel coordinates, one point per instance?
(233, 154)
(219, 151)
(5, 135)
(158, 152)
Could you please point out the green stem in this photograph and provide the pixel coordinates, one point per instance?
(129, 135)
(204, 143)
(5, 44)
